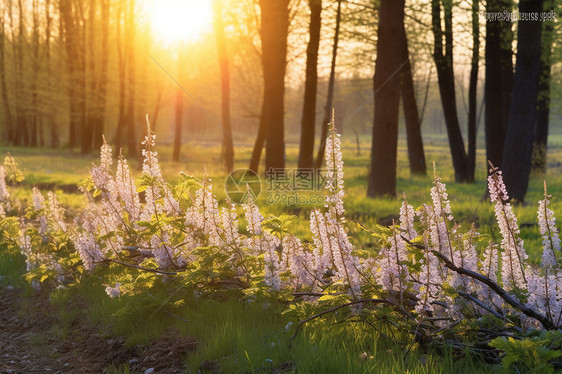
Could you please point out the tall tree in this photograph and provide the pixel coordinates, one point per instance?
(306, 152)
(443, 57)
(330, 94)
(518, 147)
(274, 30)
(178, 126)
(123, 72)
(543, 98)
(473, 91)
(386, 84)
(76, 91)
(91, 37)
(33, 120)
(99, 118)
(416, 154)
(53, 129)
(130, 120)
(19, 40)
(258, 144)
(3, 85)
(498, 80)
(227, 141)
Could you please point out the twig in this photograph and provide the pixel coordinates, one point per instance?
(302, 294)
(479, 303)
(142, 268)
(177, 317)
(331, 310)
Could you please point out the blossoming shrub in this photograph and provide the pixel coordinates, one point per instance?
(433, 273)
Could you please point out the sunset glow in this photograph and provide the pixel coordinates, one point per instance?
(181, 20)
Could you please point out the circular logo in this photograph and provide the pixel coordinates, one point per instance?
(242, 185)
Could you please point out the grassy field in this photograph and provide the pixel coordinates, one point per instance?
(251, 337)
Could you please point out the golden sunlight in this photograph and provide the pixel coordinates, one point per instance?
(181, 20)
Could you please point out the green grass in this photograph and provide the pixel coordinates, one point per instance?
(250, 337)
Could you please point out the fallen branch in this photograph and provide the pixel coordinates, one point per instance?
(547, 324)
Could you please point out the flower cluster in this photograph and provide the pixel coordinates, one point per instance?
(4, 194)
(151, 225)
(513, 256)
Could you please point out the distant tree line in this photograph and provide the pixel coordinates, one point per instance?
(75, 70)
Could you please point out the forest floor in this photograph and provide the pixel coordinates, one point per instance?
(28, 344)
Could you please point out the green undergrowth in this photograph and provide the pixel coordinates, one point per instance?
(61, 170)
(254, 336)
(240, 335)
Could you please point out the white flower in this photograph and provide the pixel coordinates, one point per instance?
(549, 232)
(113, 291)
(4, 194)
(407, 215)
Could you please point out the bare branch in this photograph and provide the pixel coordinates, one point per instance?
(547, 324)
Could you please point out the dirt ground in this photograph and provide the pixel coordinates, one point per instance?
(28, 345)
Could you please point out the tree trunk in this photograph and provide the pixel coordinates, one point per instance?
(90, 37)
(130, 119)
(122, 58)
(102, 83)
(306, 152)
(543, 98)
(416, 154)
(446, 80)
(473, 91)
(18, 41)
(274, 30)
(518, 145)
(330, 95)
(227, 141)
(497, 88)
(177, 132)
(258, 145)
(386, 85)
(3, 85)
(53, 130)
(34, 124)
(71, 43)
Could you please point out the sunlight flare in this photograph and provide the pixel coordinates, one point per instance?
(181, 20)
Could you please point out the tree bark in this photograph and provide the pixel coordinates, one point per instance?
(178, 127)
(227, 141)
(122, 58)
(71, 43)
(306, 152)
(446, 80)
(416, 154)
(386, 85)
(130, 119)
(98, 127)
(543, 98)
(33, 120)
(258, 146)
(274, 30)
(330, 95)
(90, 37)
(518, 145)
(498, 77)
(473, 91)
(3, 85)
